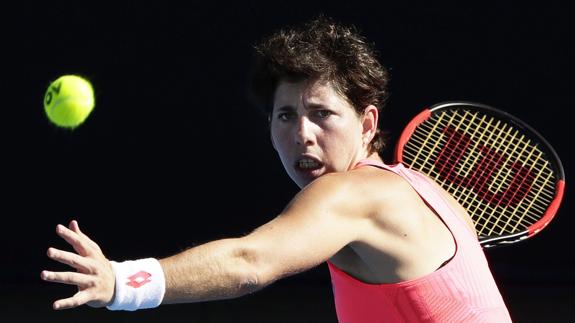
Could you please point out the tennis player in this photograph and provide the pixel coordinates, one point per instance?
(398, 247)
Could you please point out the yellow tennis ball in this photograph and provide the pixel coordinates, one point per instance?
(69, 100)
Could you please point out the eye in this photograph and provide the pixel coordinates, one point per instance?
(322, 114)
(285, 116)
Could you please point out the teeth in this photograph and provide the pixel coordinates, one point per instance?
(308, 163)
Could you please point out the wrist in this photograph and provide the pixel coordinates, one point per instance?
(139, 284)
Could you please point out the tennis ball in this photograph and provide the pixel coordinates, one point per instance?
(69, 100)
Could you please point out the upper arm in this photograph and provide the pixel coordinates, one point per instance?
(323, 218)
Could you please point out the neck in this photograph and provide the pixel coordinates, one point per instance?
(370, 156)
(373, 156)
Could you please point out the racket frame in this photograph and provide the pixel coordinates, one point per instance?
(556, 166)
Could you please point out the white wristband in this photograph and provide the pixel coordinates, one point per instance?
(139, 284)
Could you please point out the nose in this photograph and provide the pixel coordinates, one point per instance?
(304, 133)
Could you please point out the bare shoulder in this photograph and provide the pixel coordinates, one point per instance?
(365, 181)
(361, 192)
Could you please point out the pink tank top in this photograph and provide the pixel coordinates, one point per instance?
(463, 290)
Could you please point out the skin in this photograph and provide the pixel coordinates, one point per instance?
(368, 222)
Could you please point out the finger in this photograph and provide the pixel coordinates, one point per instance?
(73, 239)
(67, 277)
(71, 259)
(80, 298)
(74, 226)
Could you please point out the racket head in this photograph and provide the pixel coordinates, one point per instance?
(503, 172)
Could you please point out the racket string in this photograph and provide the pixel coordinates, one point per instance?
(471, 152)
(433, 154)
(466, 163)
(507, 148)
(438, 136)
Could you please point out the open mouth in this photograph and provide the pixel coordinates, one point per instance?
(307, 164)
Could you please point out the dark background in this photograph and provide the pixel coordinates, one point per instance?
(175, 155)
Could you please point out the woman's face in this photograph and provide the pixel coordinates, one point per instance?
(317, 131)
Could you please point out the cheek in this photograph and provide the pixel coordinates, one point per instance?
(343, 141)
(336, 145)
(278, 139)
(343, 135)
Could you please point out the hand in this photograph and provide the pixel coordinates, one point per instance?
(94, 277)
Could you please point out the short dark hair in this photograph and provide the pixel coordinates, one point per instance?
(325, 50)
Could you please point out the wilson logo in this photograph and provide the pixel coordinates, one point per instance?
(486, 168)
(139, 279)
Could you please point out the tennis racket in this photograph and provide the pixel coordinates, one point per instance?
(504, 173)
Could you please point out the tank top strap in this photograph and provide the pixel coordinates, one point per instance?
(369, 162)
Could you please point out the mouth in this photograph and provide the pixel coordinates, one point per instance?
(308, 164)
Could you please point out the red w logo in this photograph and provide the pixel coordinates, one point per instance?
(485, 167)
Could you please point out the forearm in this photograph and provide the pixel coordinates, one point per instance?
(216, 270)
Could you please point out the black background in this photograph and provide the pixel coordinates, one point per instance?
(175, 155)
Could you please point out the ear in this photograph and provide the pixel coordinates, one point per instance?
(369, 122)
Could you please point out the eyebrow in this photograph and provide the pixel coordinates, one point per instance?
(285, 108)
(310, 106)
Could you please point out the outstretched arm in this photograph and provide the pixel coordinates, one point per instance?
(313, 227)
(318, 222)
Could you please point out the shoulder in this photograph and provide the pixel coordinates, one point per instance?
(360, 192)
(363, 178)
